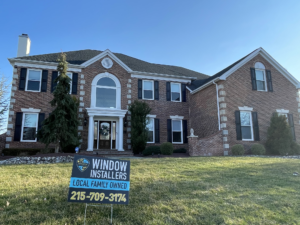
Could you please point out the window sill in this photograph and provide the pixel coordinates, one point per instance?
(247, 140)
(177, 143)
(28, 141)
(150, 142)
(32, 91)
(175, 101)
(147, 99)
(262, 90)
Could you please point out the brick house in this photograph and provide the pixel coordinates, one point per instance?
(230, 107)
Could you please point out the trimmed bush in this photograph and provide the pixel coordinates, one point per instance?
(180, 150)
(258, 149)
(152, 149)
(166, 148)
(238, 150)
(295, 149)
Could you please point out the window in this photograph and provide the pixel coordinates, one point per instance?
(260, 77)
(34, 80)
(150, 127)
(71, 77)
(29, 128)
(148, 89)
(177, 131)
(246, 126)
(175, 92)
(106, 93)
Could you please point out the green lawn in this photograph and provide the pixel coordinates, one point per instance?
(213, 190)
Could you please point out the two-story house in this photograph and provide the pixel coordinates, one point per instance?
(230, 107)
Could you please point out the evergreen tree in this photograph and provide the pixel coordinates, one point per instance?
(139, 133)
(61, 127)
(279, 137)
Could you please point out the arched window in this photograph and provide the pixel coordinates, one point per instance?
(260, 73)
(106, 93)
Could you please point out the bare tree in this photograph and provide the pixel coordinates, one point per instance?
(4, 101)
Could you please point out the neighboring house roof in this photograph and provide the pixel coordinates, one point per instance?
(82, 56)
(198, 85)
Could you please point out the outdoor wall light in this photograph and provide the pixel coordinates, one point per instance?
(85, 121)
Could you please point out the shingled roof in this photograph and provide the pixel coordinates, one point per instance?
(198, 83)
(81, 56)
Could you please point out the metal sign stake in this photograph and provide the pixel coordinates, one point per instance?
(111, 211)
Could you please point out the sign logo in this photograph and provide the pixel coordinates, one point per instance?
(82, 164)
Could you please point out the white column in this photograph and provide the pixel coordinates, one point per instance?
(120, 136)
(91, 134)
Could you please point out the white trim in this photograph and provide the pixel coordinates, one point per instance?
(148, 90)
(151, 116)
(177, 117)
(251, 126)
(30, 110)
(283, 111)
(270, 59)
(153, 124)
(166, 78)
(94, 86)
(106, 112)
(41, 65)
(139, 73)
(181, 131)
(245, 108)
(180, 98)
(27, 76)
(107, 52)
(37, 122)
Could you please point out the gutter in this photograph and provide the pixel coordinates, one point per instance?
(217, 90)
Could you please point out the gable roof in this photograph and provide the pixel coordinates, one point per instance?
(83, 56)
(197, 85)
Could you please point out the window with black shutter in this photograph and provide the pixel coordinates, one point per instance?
(156, 127)
(255, 126)
(156, 90)
(168, 91)
(169, 130)
(269, 80)
(74, 84)
(140, 89)
(53, 83)
(184, 125)
(238, 125)
(41, 120)
(18, 126)
(44, 81)
(183, 94)
(22, 82)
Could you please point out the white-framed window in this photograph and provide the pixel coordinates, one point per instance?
(106, 93)
(33, 80)
(260, 74)
(175, 92)
(177, 132)
(71, 77)
(29, 127)
(148, 89)
(246, 125)
(150, 128)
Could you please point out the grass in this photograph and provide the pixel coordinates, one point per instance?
(214, 190)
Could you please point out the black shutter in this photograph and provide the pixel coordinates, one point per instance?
(169, 129)
(168, 88)
(157, 135)
(253, 79)
(269, 80)
(140, 89)
(53, 83)
(22, 82)
(74, 83)
(184, 125)
(18, 126)
(44, 81)
(238, 125)
(255, 126)
(41, 119)
(183, 92)
(291, 123)
(156, 90)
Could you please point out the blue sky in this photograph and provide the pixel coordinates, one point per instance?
(205, 36)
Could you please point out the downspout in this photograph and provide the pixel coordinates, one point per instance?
(217, 90)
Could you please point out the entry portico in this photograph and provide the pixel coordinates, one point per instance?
(105, 114)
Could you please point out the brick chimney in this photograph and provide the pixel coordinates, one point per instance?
(24, 45)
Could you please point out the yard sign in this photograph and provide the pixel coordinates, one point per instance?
(99, 180)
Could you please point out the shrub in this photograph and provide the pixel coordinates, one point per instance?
(180, 150)
(258, 149)
(18, 151)
(166, 148)
(47, 150)
(279, 137)
(69, 149)
(238, 150)
(152, 149)
(295, 148)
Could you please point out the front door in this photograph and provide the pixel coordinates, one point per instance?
(104, 134)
